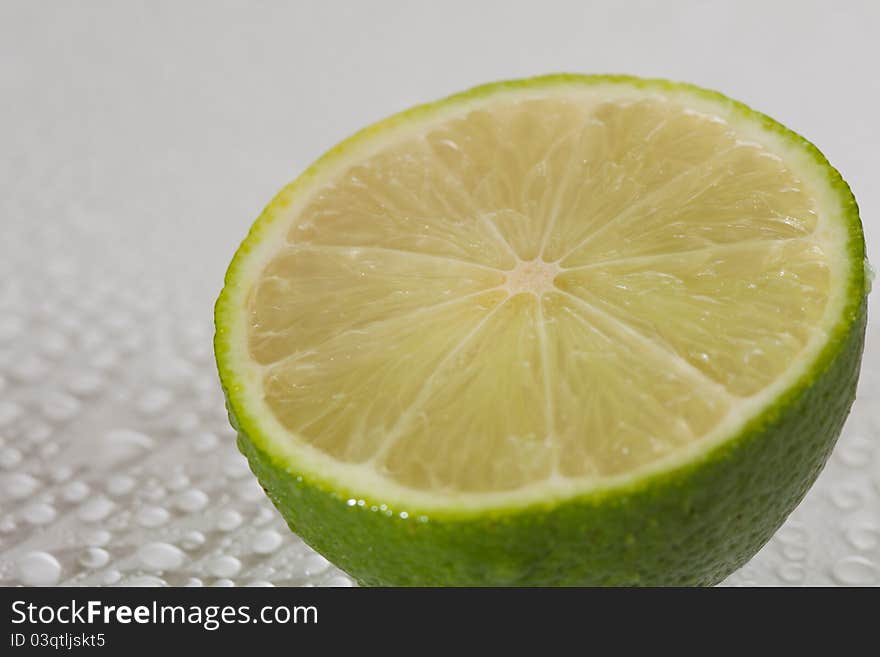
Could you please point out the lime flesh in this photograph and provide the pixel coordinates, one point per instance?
(548, 332)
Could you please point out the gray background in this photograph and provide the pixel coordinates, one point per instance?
(139, 140)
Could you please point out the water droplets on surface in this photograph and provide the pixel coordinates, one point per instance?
(9, 457)
(96, 509)
(161, 556)
(38, 513)
(119, 445)
(205, 442)
(153, 401)
(95, 537)
(314, 564)
(191, 500)
(250, 491)
(85, 384)
(60, 473)
(120, 485)
(855, 571)
(855, 451)
(192, 540)
(846, 496)
(75, 491)
(863, 536)
(794, 552)
(144, 581)
(236, 467)
(18, 485)
(94, 558)
(111, 577)
(38, 569)
(791, 573)
(60, 407)
(152, 516)
(224, 566)
(228, 519)
(266, 541)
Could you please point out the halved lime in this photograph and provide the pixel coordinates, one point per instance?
(566, 330)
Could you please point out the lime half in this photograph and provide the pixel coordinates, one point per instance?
(566, 330)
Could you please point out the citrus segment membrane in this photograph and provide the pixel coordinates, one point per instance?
(536, 290)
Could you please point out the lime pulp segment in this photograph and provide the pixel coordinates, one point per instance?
(533, 293)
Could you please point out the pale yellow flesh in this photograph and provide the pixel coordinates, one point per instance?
(537, 289)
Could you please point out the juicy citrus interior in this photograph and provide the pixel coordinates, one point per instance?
(537, 289)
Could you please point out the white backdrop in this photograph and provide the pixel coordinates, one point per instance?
(139, 140)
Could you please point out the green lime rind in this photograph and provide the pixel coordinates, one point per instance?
(692, 524)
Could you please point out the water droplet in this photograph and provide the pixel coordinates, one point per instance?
(193, 582)
(791, 573)
(191, 500)
(60, 407)
(9, 457)
(60, 473)
(794, 552)
(846, 496)
(339, 581)
(85, 384)
(120, 445)
(250, 491)
(94, 558)
(7, 524)
(145, 581)
(227, 520)
(38, 569)
(96, 537)
(153, 401)
(224, 566)
(30, 369)
(75, 491)
(855, 451)
(265, 515)
(111, 577)
(226, 583)
(153, 491)
(9, 412)
(48, 450)
(96, 509)
(864, 536)
(205, 442)
(259, 583)
(854, 571)
(314, 564)
(161, 556)
(178, 481)
(236, 467)
(192, 540)
(266, 541)
(173, 371)
(152, 516)
(19, 485)
(120, 485)
(186, 423)
(38, 514)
